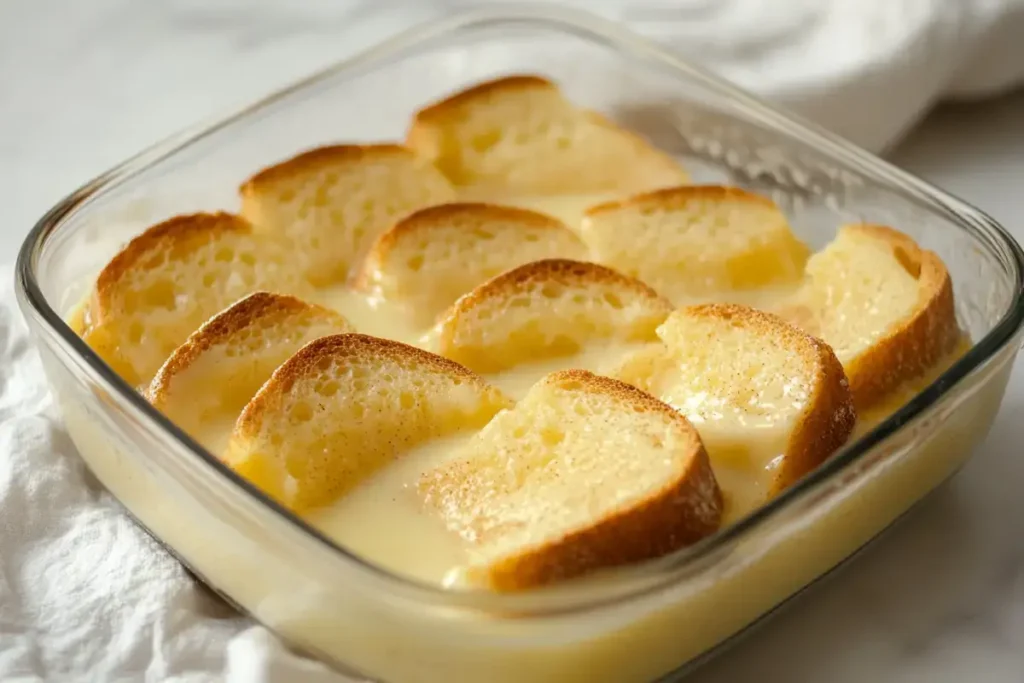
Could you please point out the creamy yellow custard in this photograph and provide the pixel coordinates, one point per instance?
(382, 519)
(347, 614)
(407, 540)
(371, 315)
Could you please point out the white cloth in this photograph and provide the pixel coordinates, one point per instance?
(86, 596)
(866, 69)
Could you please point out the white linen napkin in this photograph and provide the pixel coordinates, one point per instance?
(87, 596)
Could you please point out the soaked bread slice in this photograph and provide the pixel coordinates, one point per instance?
(333, 202)
(770, 402)
(694, 241)
(883, 304)
(432, 257)
(545, 309)
(585, 472)
(208, 380)
(346, 405)
(519, 135)
(172, 278)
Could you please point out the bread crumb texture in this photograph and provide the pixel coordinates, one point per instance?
(346, 405)
(695, 241)
(585, 472)
(221, 366)
(331, 203)
(546, 309)
(435, 255)
(521, 136)
(745, 378)
(883, 304)
(170, 279)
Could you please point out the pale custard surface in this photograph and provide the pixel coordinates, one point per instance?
(383, 519)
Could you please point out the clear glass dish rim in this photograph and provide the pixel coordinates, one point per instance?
(626, 582)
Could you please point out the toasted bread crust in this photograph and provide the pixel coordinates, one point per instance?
(432, 216)
(685, 510)
(304, 364)
(829, 416)
(825, 425)
(423, 135)
(318, 158)
(456, 335)
(762, 322)
(257, 306)
(920, 340)
(160, 237)
(441, 110)
(439, 216)
(562, 271)
(671, 198)
(427, 131)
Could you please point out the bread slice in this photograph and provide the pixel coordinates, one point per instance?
(770, 402)
(173, 277)
(208, 380)
(432, 257)
(694, 241)
(519, 135)
(546, 309)
(345, 405)
(585, 472)
(332, 202)
(883, 304)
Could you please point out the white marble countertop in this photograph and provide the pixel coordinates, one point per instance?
(940, 598)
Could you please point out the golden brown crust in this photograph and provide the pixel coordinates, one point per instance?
(423, 135)
(304, 363)
(685, 510)
(240, 315)
(440, 216)
(919, 341)
(158, 238)
(430, 134)
(672, 198)
(563, 271)
(764, 323)
(449, 106)
(318, 158)
(825, 425)
(583, 380)
(829, 416)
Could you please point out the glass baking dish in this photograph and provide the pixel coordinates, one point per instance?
(637, 623)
